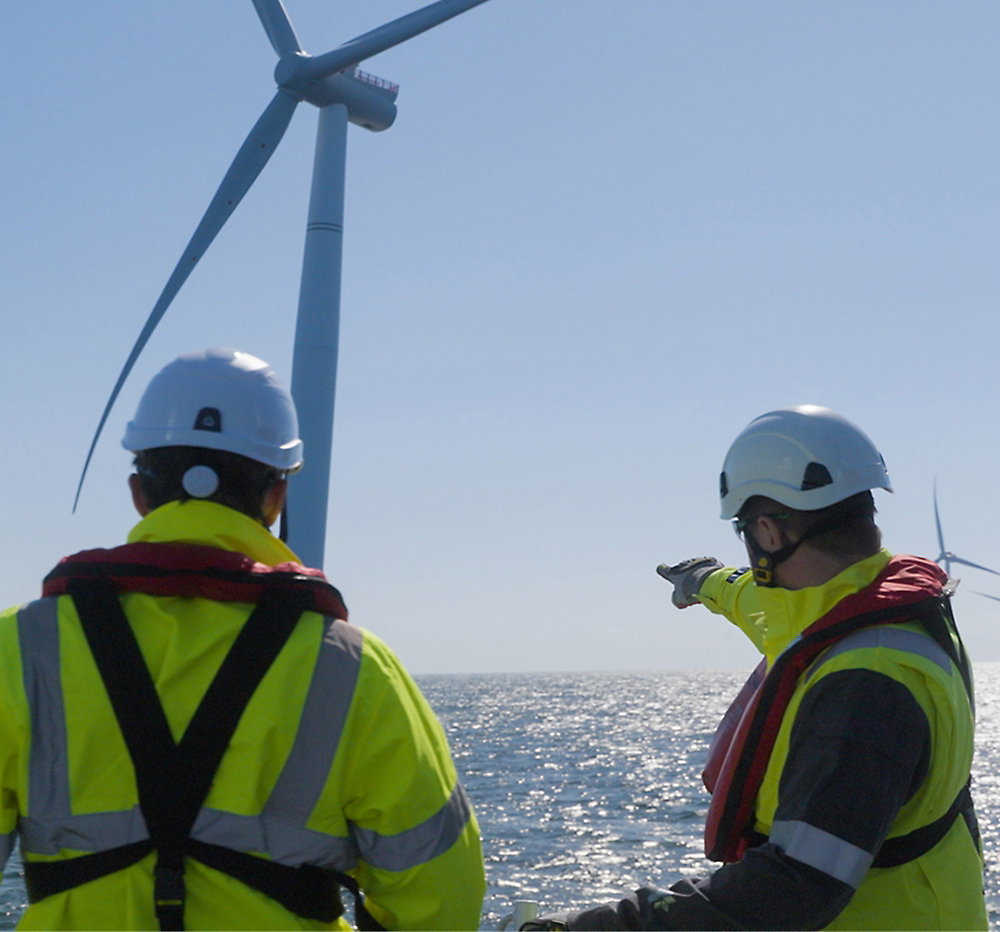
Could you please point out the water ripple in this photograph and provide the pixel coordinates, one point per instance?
(589, 785)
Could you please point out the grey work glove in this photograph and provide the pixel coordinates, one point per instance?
(687, 578)
(644, 909)
(602, 917)
(685, 906)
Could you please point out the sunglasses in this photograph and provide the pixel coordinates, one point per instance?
(740, 525)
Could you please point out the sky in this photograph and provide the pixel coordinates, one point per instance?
(599, 239)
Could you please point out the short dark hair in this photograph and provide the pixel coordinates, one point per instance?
(243, 482)
(849, 525)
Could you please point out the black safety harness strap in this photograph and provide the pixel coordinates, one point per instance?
(173, 780)
(47, 878)
(915, 844)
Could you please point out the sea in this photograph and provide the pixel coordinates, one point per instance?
(587, 785)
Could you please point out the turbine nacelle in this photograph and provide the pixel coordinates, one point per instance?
(369, 100)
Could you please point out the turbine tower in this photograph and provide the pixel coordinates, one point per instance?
(333, 83)
(945, 558)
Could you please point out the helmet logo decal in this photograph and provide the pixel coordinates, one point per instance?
(209, 419)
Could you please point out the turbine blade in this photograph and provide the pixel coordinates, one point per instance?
(385, 37)
(278, 27)
(986, 595)
(937, 521)
(250, 160)
(975, 566)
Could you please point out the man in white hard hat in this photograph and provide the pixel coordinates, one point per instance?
(191, 735)
(840, 775)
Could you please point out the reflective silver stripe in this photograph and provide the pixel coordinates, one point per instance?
(420, 844)
(48, 767)
(94, 831)
(99, 831)
(912, 642)
(303, 777)
(49, 824)
(828, 853)
(282, 842)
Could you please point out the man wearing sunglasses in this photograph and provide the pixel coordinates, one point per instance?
(840, 775)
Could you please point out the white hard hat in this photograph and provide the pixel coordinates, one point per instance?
(221, 399)
(806, 457)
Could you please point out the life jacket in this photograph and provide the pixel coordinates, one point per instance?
(908, 589)
(173, 779)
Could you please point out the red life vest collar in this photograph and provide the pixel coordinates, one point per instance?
(193, 571)
(742, 745)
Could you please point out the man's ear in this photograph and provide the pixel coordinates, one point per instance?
(770, 535)
(138, 496)
(274, 501)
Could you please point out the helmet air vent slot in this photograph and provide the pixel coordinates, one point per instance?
(209, 419)
(816, 476)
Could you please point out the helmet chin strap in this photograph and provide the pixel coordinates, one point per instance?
(764, 562)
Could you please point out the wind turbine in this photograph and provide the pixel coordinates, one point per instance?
(946, 557)
(333, 83)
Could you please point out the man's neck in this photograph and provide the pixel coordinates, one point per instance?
(810, 567)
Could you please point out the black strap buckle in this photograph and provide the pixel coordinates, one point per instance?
(168, 886)
(168, 897)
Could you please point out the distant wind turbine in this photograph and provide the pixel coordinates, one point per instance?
(333, 83)
(946, 557)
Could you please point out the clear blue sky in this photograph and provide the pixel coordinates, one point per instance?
(600, 238)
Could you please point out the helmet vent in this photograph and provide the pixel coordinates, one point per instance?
(209, 419)
(816, 476)
(723, 485)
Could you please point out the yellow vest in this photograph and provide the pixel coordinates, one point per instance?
(337, 761)
(942, 889)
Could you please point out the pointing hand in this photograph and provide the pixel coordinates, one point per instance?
(687, 578)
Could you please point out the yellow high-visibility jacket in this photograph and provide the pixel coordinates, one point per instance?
(875, 742)
(337, 761)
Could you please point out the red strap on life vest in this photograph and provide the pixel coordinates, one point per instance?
(193, 571)
(741, 748)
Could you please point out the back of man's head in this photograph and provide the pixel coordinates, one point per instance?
(178, 474)
(845, 530)
(215, 425)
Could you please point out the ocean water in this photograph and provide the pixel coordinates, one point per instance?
(587, 785)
